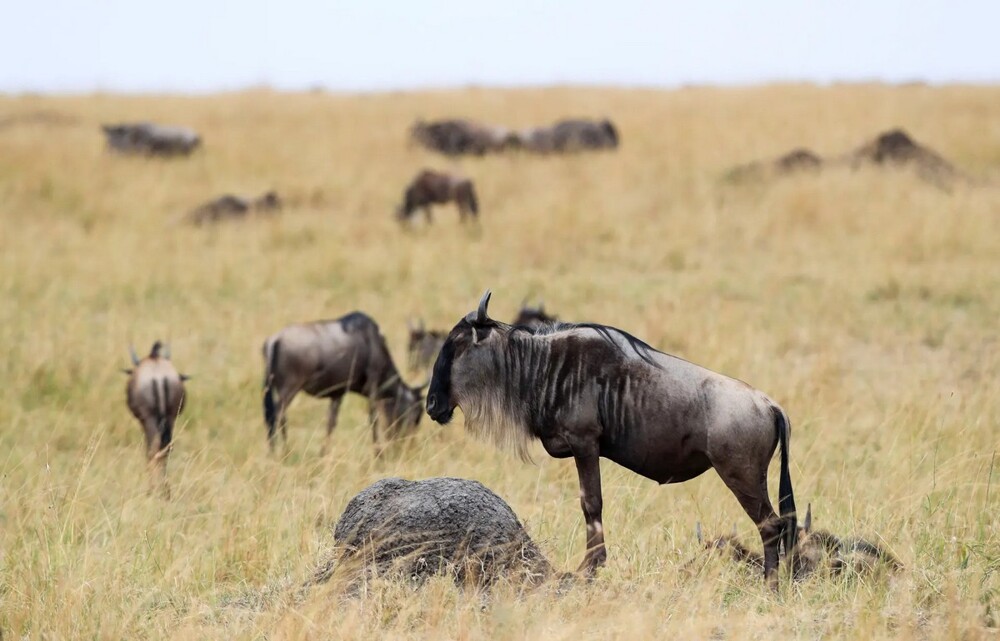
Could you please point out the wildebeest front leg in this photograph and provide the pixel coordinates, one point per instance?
(331, 424)
(588, 468)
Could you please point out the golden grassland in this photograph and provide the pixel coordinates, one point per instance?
(866, 303)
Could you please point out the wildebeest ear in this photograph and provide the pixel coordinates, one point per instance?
(184, 377)
(807, 524)
(127, 371)
(133, 355)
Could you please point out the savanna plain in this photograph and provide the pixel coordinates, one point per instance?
(865, 302)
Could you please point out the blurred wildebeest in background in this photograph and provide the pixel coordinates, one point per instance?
(155, 394)
(570, 136)
(438, 188)
(896, 148)
(588, 390)
(423, 345)
(533, 317)
(456, 137)
(815, 551)
(329, 358)
(228, 207)
(150, 139)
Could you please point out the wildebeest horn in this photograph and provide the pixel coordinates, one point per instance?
(481, 316)
(697, 532)
(132, 354)
(807, 524)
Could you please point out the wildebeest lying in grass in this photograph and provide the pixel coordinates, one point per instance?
(155, 395)
(533, 317)
(815, 551)
(146, 138)
(458, 136)
(418, 529)
(588, 390)
(329, 358)
(229, 207)
(438, 188)
(423, 345)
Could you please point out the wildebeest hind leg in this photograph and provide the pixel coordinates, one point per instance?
(588, 468)
(331, 424)
(752, 495)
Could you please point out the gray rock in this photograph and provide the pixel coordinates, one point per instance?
(441, 525)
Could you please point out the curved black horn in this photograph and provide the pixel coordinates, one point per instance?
(807, 525)
(481, 316)
(132, 354)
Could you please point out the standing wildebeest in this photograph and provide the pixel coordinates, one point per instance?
(423, 345)
(589, 390)
(533, 317)
(437, 188)
(329, 358)
(151, 139)
(155, 393)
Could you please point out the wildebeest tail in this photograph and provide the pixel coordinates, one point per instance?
(786, 498)
(270, 410)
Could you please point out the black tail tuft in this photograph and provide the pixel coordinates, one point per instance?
(270, 410)
(786, 497)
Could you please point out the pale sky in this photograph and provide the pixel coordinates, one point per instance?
(201, 45)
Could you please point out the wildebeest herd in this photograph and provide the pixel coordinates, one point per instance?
(582, 390)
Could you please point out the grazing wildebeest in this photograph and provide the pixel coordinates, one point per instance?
(329, 358)
(455, 137)
(231, 207)
(589, 390)
(423, 345)
(155, 394)
(533, 317)
(438, 188)
(815, 550)
(151, 139)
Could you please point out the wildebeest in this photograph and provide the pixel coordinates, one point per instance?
(569, 136)
(457, 136)
(329, 358)
(815, 551)
(438, 188)
(151, 139)
(533, 316)
(155, 394)
(230, 207)
(423, 345)
(590, 390)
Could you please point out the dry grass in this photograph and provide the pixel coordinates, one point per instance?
(866, 304)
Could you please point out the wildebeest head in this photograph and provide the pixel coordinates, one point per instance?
(406, 407)
(423, 344)
(533, 316)
(461, 361)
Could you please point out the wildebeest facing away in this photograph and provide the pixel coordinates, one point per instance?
(329, 358)
(423, 345)
(533, 317)
(150, 139)
(155, 394)
(815, 551)
(232, 207)
(438, 188)
(456, 137)
(589, 390)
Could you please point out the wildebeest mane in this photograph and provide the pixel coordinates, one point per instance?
(641, 348)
